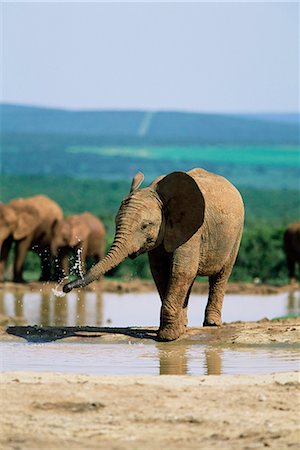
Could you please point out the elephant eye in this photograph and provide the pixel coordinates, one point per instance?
(146, 225)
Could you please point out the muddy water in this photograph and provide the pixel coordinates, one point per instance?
(134, 357)
(142, 309)
(144, 358)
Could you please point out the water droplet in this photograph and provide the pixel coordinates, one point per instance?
(56, 291)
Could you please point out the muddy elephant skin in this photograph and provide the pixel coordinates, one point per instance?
(190, 223)
(83, 234)
(29, 223)
(292, 249)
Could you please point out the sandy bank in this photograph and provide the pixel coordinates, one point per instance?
(264, 332)
(52, 411)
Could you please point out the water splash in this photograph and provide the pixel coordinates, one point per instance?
(56, 291)
(78, 263)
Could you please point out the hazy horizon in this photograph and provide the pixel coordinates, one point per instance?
(162, 110)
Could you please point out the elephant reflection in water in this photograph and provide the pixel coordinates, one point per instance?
(83, 309)
(175, 361)
(13, 308)
(89, 308)
(293, 305)
(213, 361)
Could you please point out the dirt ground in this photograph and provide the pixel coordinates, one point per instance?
(170, 412)
(56, 411)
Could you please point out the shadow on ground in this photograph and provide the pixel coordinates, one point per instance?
(48, 334)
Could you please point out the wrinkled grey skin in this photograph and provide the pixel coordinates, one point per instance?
(83, 234)
(28, 222)
(292, 249)
(190, 223)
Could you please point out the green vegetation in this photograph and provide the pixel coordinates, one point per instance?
(277, 156)
(92, 157)
(261, 255)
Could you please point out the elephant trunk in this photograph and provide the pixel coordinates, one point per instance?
(117, 253)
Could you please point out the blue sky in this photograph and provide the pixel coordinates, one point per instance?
(214, 57)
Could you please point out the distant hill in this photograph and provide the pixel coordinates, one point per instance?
(153, 127)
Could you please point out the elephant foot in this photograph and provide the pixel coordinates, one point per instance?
(171, 332)
(167, 334)
(212, 322)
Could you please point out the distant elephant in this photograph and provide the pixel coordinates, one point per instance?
(29, 223)
(84, 233)
(190, 223)
(292, 249)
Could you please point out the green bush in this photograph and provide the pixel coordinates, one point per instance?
(261, 255)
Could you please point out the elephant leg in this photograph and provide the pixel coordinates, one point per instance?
(173, 317)
(291, 263)
(217, 285)
(63, 263)
(175, 283)
(45, 264)
(6, 246)
(21, 250)
(160, 266)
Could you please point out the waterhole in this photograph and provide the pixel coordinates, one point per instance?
(144, 359)
(134, 309)
(145, 356)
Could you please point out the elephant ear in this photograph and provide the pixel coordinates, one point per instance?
(26, 224)
(79, 234)
(184, 208)
(136, 181)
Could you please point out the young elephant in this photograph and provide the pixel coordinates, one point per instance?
(84, 233)
(190, 224)
(28, 222)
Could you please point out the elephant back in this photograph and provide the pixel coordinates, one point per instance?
(220, 195)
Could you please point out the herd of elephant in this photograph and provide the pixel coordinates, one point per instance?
(37, 223)
(189, 223)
